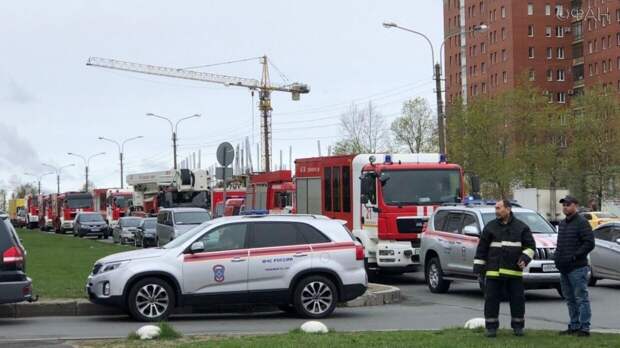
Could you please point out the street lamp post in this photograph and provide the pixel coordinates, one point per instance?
(39, 177)
(437, 76)
(121, 149)
(86, 164)
(173, 128)
(57, 170)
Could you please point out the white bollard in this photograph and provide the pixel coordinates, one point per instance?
(314, 327)
(148, 332)
(474, 323)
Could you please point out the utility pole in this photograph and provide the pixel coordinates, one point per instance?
(440, 114)
(86, 163)
(39, 177)
(57, 170)
(173, 128)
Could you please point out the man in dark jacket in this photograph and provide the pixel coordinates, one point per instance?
(505, 248)
(575, 241)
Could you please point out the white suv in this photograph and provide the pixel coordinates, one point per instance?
(301, 263)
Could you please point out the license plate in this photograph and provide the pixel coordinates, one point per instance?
(416, 251)
(549, 268)
(95, 230)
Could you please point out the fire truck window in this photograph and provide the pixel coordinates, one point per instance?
(369, 188)
(346, 189)
(272, 234)
(336, 188)
(328, 189)
(311, 234)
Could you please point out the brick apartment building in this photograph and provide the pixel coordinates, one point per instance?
(563, 46)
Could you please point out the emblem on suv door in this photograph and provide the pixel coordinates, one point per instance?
(218, 273)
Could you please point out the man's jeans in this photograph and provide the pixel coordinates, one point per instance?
(575, 291)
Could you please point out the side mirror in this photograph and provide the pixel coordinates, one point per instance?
(475, 183)
(197, 247)
(364, 199)
(470, 230)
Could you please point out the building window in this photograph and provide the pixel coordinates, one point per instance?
(484, 87)
(549, 53)
(530, 30)
(547, 10)
(561, 97)
(591, 71)
(504, 55)
(604, 43)
(559, 31)
(559, 10)
(503, 10)
(590, 47)
(549, 75)
(483, 47)
(532, 75)
(548, 31)
(530, 9)
(604, 66)
(505, 77)
(561, 75)
(560, 53)
(530, 53)
(482, 68)
(503, 34)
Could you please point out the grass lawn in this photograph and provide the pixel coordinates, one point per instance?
(59, 265)
(446, 338)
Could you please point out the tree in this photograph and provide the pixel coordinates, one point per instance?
(91, 185)
(364, 131)
(415, 130)
(595, 145)
(25, 189)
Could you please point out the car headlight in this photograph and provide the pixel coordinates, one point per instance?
(111, 266)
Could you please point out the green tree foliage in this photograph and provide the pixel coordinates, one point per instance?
(415, 131)
(24, 189)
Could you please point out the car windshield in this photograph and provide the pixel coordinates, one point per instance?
(130, 222)
(91, 218)
(121, 202)
(150, 223)
(536, 223)
(420, 187)
(606, 216)
(80, 202)
(191, 218)
(187, 235)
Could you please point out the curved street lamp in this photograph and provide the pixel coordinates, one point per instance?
(173, 128)
(57, 170)
(86, 164)
(121, 149)
(39, 177)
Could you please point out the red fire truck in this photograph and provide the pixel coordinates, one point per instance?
(113, 203)
(232, 200)
(385, 199)
(272, 192)
(32, 211)
(66, 205)
(45, 212)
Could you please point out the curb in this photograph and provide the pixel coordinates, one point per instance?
(376, 295)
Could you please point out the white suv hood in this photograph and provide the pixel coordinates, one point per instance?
(133, 255)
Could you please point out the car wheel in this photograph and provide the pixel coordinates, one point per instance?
(434, 277)
(151, 299)
(315, 297)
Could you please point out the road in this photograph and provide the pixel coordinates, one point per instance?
(419, 309)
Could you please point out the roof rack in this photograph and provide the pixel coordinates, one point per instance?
(264, 214)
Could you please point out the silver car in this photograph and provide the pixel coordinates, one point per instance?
(448, 247)
(305, 264)
(124, 232)
(173, 222)
(605, 257)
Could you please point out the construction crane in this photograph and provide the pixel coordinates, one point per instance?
(264, 88)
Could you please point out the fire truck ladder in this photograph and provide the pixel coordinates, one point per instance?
(264, 87)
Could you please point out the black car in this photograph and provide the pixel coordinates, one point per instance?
(15, 286)
(90, 224)
(146, 235)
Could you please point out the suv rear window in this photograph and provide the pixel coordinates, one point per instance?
(273, 234)
(311, 234)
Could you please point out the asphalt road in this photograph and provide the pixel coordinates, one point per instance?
(419, 309)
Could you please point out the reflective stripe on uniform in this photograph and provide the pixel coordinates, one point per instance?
(504, 271)
(529, 253)
(479, 262)
(518, 320)
(491, 320)
(511, 244)
(496, 244)
(492, 274)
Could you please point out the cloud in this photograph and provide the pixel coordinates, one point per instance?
(16, 152)
(17, 94)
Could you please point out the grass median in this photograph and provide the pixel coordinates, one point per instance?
(60, 264)
(445, 338)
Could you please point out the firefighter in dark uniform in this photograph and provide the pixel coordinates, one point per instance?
(505, 248)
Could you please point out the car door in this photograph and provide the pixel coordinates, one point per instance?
(466, 245)
(452, 242)
(612, 262)
(602, 250)
(219, 273)
(278, 250)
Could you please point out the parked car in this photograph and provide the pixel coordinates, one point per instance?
(305, 264)
(124, 231)
(597, 218)
(89, 224)
(605, 257)
(173, 222)
(15, 286)
(146, 235)
(448, 247)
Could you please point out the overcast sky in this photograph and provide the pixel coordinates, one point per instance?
(51, 103)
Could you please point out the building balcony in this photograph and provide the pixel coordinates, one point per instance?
(578, 83)
(578, 61)
(577, 39)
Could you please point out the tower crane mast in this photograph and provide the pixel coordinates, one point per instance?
(264, 87)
